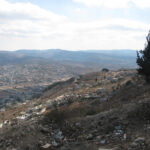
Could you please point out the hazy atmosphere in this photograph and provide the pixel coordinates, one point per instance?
(73, 24)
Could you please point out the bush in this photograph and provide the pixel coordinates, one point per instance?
(143, 60)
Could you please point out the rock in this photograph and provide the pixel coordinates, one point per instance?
(1, 125)
(124, 136)
(137, 144)
(59, 136)
(89, 137)
(45, 130)
(23, 117)
(78, 124)
(6, 122)
(54, 143)
(43, 110)
(140, 140)
(98, 137)
(100, 91)
(46, 146)
(134, 145)
(103, 141)
(117, 127)
(109, 78)
(103, 99)
(114, 80)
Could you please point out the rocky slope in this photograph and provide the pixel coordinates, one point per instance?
(97, 111)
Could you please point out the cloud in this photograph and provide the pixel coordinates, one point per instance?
(105, 3)
(109, 34)
(78, 10)
(25, 25)
(26, 19)
(142, 3)
(26, 11)
(115, 3)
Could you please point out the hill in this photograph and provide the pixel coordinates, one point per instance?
(96, 111)
(98, 59)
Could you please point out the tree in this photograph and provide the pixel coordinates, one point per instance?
(143, 60)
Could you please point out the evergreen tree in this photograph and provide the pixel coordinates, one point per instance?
(143, 60)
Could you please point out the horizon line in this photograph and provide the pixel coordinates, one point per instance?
(68, 50)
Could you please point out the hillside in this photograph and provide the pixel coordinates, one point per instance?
(26, 72)
(96, 111)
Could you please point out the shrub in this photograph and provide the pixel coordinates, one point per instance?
(143, 60)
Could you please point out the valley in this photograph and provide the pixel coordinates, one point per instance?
(24, 74)
(57, 105)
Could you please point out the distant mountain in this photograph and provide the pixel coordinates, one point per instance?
(112, 59)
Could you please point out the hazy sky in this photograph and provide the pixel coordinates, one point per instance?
(74, 24)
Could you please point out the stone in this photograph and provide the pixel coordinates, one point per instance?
(45, 130)
(59, 136)
(23, 117)
(117, 127)
(124, 136)
(43, 110)
(109, 78)
(46, 146)
(138, 143)
(148, 128)
(89, 137)
(78, 124)
(103, 141)
(54, 143)
(98, 137)
(100, 91)
(134, 145)
(103, 99)
(1, 125)
(6, 122)
(140, 140)
(114, 80)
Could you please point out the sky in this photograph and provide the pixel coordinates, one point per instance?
(74, 24)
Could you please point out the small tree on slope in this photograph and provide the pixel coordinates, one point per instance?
(143, 60)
